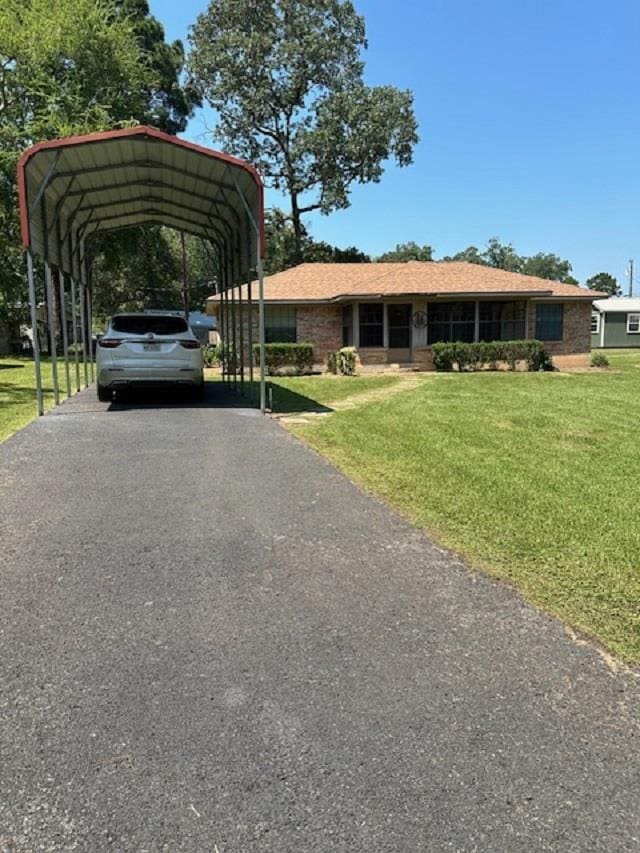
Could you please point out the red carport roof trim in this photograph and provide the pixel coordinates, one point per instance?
(139, 130)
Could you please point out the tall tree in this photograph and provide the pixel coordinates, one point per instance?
(407, 252)
(281, 246)
(143, 269)
(286, 80)
(549, 266)
(167, 101)
(502, 256)
(75, 66)
(470, 255)
(605, 283)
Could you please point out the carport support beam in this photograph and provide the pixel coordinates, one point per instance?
(225, 319)
(48, 290)
(74, 330)
(234, 360)
(63, 310)
(52, 331)
(65, 331)
(263, 387)
(250, 316)
(34, 327)
(90, 332)
(88, 273)
(83, 328)
(241, 320)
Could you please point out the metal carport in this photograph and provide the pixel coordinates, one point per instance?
(76, 187)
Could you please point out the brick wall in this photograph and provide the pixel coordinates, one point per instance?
(576, 340)
(320, 325)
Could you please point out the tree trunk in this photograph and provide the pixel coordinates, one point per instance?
(297, 227)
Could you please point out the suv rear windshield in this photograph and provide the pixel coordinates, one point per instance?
(144, 325)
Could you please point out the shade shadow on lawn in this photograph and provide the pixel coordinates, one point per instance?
(218, 395)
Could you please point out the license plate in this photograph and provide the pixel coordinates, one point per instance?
(151, 347)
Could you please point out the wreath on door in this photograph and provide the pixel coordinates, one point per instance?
(419, 319)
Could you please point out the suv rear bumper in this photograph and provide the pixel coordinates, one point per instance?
(149, 377)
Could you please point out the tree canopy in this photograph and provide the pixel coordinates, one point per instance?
(282, 251)
(143, 269)
(286, 80)
(605, 283)
(504, 257)
(407, 252)
(76, 66)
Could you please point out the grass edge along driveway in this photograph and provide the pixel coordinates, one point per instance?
(18, 391)
(531, 477)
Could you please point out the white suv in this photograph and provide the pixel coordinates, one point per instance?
(147, 350)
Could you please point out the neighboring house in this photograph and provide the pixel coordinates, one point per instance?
(615, 322)
(392, 313)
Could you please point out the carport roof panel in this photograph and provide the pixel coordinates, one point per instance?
(105, 181)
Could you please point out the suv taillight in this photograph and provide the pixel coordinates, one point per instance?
(108, 343)
(190, 344)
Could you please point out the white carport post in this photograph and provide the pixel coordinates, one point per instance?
(88, 274)
(249, 314)
(48, 286)
(65, 331)
(83, 324)
(263, 387)
(259, 267)
(74, 312)
(34, 328)
(63, 310)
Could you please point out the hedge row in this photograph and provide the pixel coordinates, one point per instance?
(446, 356)
(289, 358)
(343, 361)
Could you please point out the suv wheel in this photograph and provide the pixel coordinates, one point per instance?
(105, 395)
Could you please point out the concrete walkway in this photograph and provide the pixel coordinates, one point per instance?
(210, 640)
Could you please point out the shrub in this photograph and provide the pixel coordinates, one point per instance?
(470, 356)
(443, 356)
(332, 362)
(599, 359)
(290, 358)
(346, 361)
(221, 355)
(212, 355)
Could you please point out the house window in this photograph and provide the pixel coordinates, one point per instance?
(371, 324)
(549, 321)
(633, 324)
(347, 326)
(595, 323)
(502, 321)
(279, 324)
(451, 321)
(399, 319)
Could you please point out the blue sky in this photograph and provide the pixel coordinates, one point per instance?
(529, 121)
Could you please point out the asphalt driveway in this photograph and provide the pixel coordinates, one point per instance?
(210, 640)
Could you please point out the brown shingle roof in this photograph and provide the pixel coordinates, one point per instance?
(327, 282)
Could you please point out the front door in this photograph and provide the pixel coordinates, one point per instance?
(399, 317)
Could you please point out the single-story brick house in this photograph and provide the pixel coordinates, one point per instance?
(392, 313)
(615, 322)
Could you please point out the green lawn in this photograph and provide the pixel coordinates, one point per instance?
(533, 477)
(309, 393)
(18, 395)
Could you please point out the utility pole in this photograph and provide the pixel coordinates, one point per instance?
(629, 272)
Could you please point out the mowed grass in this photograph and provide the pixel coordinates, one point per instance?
(315, 393)
(18, 391)
(533, 477)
